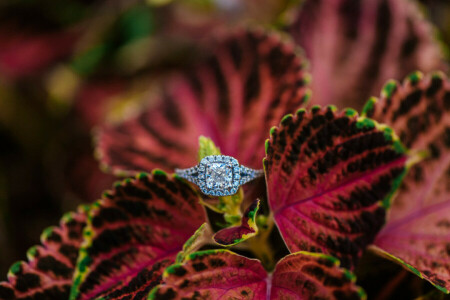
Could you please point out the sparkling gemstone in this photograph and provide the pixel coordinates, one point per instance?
(219, 175)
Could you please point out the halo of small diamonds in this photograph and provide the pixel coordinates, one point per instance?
(219, 175)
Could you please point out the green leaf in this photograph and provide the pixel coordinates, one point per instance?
(206, 148)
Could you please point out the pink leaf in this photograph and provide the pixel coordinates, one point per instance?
(213, 274)
(418, 229)
(133, 234)
(355, 46)
(330, 177)
(233, 96)
(48, 272)
(221, 274)
(237, 234)
(305, 275)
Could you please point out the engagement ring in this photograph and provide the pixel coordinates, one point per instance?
(219, 175)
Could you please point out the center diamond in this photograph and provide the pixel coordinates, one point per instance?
(219, 175)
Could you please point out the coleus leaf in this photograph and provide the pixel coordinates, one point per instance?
(237, 234)
(330, 177)
(221, 274)
(206, 148)
(48, 272)
(356, 46)
(133, 234)
(246, 83)
(201, 237)
(306, 275)
(417, 232)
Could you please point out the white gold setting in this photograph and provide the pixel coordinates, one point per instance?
(219, 175)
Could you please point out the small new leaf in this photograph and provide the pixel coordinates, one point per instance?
(206, 148)
(233, 235)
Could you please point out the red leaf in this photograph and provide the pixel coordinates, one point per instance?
(25, 53)
(355, 46)
(213, 274)
(93, 100)
(221, 274)
(133, 234)
(418, 229)
(330, 177)
(237, 234)
(233, 97)
(48, 272)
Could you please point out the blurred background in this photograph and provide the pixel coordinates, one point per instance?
(68, 66)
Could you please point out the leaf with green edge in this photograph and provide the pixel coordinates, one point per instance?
(213, 274)
(201, 237)
(306, 275)
(355, 46)
(48, 272)
(132, 234)
(245, 84)
(330, 177)
(222, 274)
(417, 233)
(233, 235)
(433, 295)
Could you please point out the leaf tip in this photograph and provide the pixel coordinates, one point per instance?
(159, 172)
(315, 109)
(15, 268)
(307, 96)
(142, 176)
(332, 108)
(389, 88)
(32, 252)
(350, 112)
(273, 131)
(300, 112)
(206, 147)
(369, 108)
(414, 77)
(117, 184)
(47, 233)
(286, 119)
(364, 122)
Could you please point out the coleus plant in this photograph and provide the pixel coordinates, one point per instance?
(330, 179)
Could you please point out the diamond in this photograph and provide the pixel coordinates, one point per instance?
(219, 175)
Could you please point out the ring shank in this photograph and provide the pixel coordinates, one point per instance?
(190, 174)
